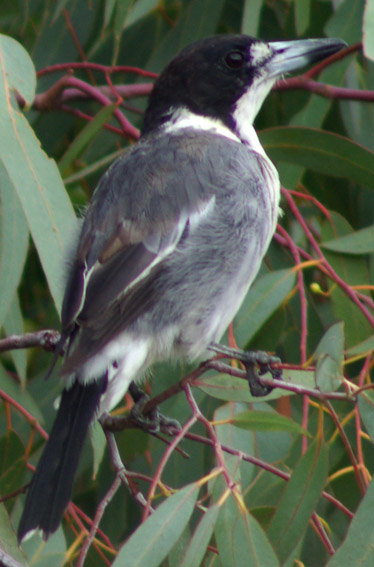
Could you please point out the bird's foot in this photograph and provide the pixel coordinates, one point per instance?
(257, 363)
(153, 421)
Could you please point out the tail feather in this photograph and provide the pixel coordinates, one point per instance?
(52, 483)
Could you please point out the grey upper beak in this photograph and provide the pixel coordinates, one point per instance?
(291, 55)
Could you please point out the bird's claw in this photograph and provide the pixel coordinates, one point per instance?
(257, 363)
(153, 421)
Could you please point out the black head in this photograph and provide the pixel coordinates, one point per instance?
(206, 77)
(211, 76)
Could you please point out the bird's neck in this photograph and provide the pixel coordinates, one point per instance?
(184, 118)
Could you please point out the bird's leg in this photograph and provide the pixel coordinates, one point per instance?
(257, 363)
(154, 421)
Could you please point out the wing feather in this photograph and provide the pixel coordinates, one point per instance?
(137, 216)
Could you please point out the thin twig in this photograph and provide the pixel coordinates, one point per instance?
(97, 518)
(267, 467)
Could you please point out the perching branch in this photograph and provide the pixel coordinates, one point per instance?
(46, 339)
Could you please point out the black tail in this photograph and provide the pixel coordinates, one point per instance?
(52, 483)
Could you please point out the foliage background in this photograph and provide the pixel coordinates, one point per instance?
(312, 303)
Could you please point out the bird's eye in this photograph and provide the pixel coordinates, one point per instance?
(235, 59)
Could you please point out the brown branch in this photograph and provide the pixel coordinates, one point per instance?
(46, 339)
(317, 69)
(58, 94)
(97, 67)
(327, 91)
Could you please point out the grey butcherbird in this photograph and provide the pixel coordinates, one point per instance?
(173, 238)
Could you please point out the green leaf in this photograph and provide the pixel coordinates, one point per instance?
(332, 343)
(13, 325)
(12, 463)
(198, 20)
(108, 11)
(51, 553)
(141, 9)
(263, 299)
(85, 137)
(153, 540)
(14, 243)
(362, 347)
(61, 4)
(329, 358)
(34, 178)
(357, 547)
(346, 22)
(199, 542)
(225, 387)
(20, 395)
(251, 17)
(10, 552)
(121, 14)
(240, 539)
(300, 498)
(237, 439)
(358, 117)
(98, 443)
(366, 407)
(359, 242)
(328, 373)
(320, 151)
(352, 270)
(17, 69)
(93, 167)
(302, 15)
(233, 389)
(266, 421)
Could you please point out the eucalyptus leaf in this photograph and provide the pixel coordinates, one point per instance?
(153, 540)
(324, 152)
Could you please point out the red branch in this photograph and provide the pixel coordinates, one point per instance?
(329, 270)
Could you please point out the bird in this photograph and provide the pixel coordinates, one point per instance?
(170, 243)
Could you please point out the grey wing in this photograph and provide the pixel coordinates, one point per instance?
(137, 216)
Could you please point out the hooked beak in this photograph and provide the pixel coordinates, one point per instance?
(290, 55)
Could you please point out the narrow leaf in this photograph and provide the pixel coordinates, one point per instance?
(18, 67)
(34, 178)
(196, 548)
(329, 356)
(354, 271)
(236, 438)
(233, 389)
(140, 9)
(302, 493)
(366, 407)
(302, 15)
(357, 547)
(20, 395)
(368, 28)
(153, 540)
(266, 421)
(320, 151)
(10, 552)
(240, 539)
(362, 347)
(198, 19)
(14, 243)
(85, 136)
(13, 325)
(251, 17)
(262, 300)
(359, 242)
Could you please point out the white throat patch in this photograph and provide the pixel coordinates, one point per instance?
(184, 118)
(246, 110)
